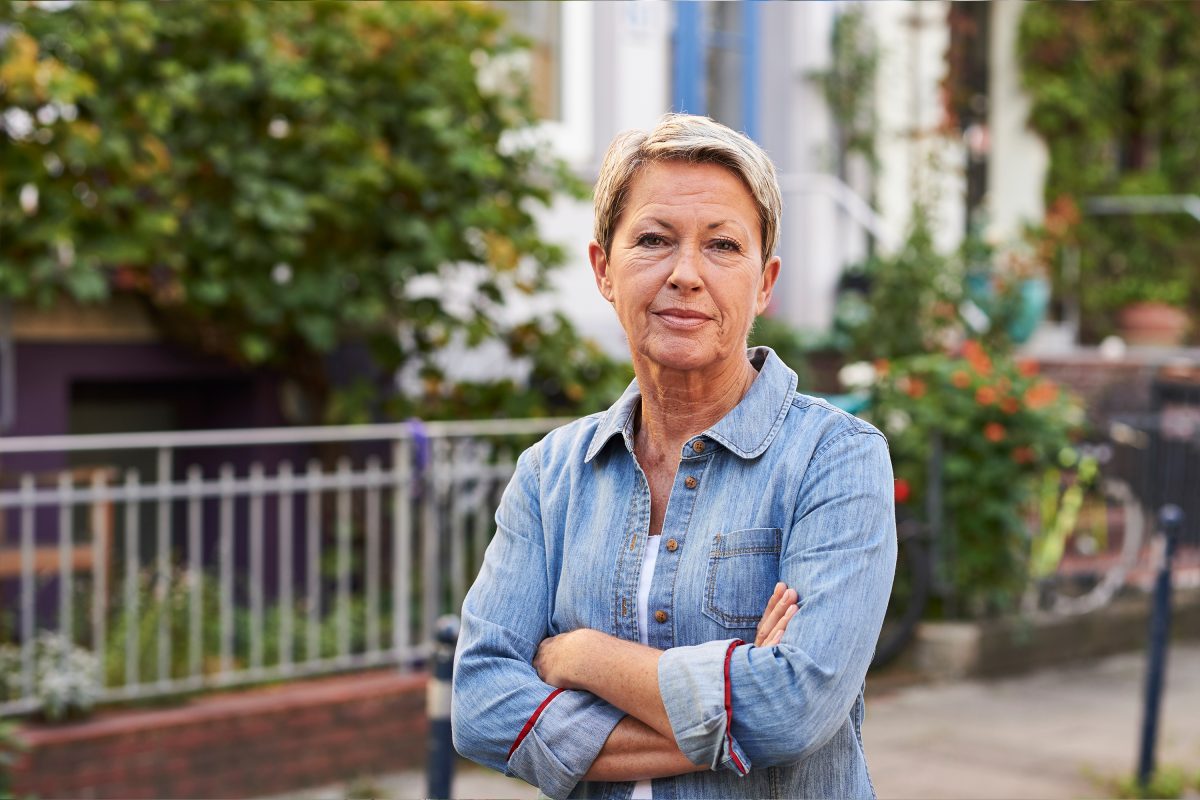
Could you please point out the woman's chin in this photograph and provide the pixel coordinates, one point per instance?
(681, 355)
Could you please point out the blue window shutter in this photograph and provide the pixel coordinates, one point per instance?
(687, 93)
(750, 82)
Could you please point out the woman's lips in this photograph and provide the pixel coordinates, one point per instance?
(682, 318)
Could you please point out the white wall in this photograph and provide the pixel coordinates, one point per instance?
(917, 161)
(1019, 159)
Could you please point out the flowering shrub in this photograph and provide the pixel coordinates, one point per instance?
(1001, 426)
(66, 678)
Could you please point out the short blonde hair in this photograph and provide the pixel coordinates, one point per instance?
(694, 140)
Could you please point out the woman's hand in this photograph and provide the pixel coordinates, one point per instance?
(779, 611)
(558, 656)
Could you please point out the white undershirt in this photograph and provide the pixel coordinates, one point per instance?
(643, 791)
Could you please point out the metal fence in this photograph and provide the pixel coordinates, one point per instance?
(244, 555)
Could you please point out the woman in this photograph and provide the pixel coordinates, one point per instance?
(603, 648)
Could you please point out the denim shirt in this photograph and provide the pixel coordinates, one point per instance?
(784, 487)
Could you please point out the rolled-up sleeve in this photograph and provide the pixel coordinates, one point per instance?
(731, 703)
(503, 715)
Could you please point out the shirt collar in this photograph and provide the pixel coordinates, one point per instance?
(747, 430)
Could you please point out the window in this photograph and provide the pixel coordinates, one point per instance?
(541, 23)
(716, 62)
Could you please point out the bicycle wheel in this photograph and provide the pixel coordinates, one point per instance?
(910, 593)
(1101, 552)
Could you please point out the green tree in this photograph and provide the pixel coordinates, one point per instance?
(1113, 92)
(278, 179)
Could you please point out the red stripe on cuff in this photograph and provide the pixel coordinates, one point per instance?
(529, 723)
(729, 706)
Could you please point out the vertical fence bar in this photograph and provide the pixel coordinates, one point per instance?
(195, 572)
(372, 559)
(225, 549)
(459, 475)
(343, 557)
(401, 547)
(286, 566)
(28, 595)
(132, 615)
(163, 583)
(101, 533)
(66, 544)
(256, 566)
(313, 560)
(430, 554)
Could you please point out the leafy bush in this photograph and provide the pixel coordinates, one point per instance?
(275, 181)
(1112, 88)
(910, 300)
(1001, 426)
(66, 678)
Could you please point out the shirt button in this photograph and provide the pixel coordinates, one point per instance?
(698, 446)
(690, 482)
(672, 545)
(660, 616)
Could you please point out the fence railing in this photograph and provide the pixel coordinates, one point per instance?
(190, 560)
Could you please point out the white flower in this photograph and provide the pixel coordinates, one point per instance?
(29, 199)
(859, 375)
(281, 273)
(897, 421)
(279, 128)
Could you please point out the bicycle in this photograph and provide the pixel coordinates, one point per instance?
(1089, 528)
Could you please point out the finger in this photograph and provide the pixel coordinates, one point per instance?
(764, 622)
(775, 608)
(781, 624)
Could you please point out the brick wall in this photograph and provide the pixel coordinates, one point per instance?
(243, 744)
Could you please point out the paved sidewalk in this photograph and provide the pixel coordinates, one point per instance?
(1049, 735)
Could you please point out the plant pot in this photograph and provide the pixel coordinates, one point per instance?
(1153, 324)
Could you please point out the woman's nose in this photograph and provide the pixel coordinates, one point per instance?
(685, 273)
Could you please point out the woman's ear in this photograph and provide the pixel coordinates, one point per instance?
(770, 274)
(600, 270)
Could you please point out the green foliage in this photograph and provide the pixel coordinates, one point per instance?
(791, 345)
(1113, 94)
(277, 179)
(1165, 782)
(1001, 426)
(911, 303)
(848, 86)
(11, 746)
(566, 375)
(175, 604)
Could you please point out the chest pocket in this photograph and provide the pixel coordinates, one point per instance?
(743, 567)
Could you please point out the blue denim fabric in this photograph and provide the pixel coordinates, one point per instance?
(785, 487)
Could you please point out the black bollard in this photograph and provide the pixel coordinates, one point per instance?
(1170, 519)
(439, 769)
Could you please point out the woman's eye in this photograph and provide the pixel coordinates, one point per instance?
(651, 240)
(728, 245)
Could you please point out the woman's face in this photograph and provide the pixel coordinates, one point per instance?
(685, 272)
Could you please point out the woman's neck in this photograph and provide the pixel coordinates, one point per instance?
(676, 405)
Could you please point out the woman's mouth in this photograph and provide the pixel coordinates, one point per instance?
(682, 318)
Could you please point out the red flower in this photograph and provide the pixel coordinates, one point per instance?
(993, 432)
(1041, 394)
(1027, 367)
(1009, 405)
(915, 388)
(985, 395)
(903, 490)
(1022, 455)
(960, 379)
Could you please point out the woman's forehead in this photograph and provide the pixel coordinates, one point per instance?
(707, 190)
